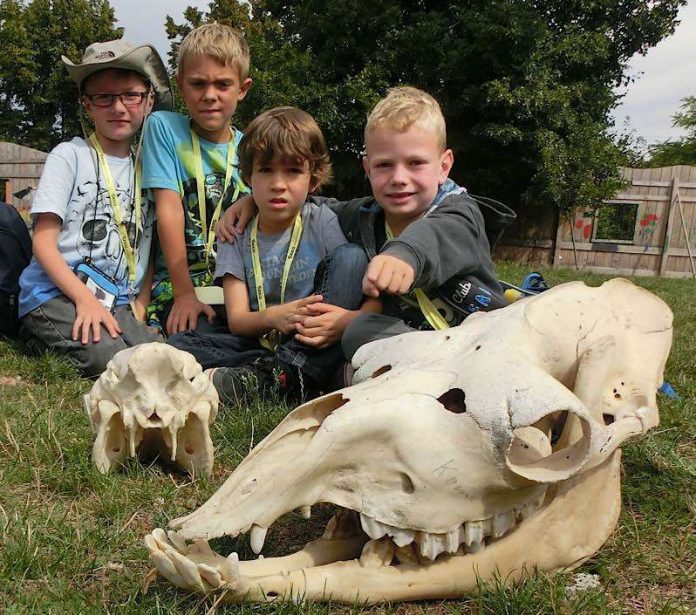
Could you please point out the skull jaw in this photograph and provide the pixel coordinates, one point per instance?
(563, 534)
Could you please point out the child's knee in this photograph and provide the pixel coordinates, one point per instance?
(352, 255)
(92, 358)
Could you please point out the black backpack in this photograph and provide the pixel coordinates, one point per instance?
(15, 254)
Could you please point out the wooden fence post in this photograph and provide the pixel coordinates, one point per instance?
(671, 211)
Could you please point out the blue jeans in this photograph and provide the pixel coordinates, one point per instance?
(338, 279)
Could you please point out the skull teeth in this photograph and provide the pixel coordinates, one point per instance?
(375, 530)
(377, 553)
(257, 538)
(470, 537)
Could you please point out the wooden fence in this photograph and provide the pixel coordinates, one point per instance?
(20, 168)
(647, 229)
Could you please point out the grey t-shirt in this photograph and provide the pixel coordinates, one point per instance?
(321, 234)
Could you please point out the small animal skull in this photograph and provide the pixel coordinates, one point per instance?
(153, 399)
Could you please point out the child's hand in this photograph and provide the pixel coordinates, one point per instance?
(184, 313)
(388, 274)
(324, 325)
(284, 317)
(235, 219)
(93, 315)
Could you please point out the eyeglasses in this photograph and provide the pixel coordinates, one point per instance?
(129, 99)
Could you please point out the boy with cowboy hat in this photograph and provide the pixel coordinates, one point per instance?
(84, 293)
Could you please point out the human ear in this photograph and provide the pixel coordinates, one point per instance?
(244, 88)
(150, 100)
(86, 105)
(446, 162)
(313, 184)
(366, 166)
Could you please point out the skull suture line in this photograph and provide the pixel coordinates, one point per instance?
(488, 449)
(153, 399)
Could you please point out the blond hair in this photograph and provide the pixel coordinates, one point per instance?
(405, 106)
(289, 134)
(218, 41)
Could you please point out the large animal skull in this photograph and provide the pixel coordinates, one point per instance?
(488, 449)
(153, 398)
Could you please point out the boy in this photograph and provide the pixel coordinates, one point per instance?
(420, 230)
(190, 163)
(92, 229)
(294, 256)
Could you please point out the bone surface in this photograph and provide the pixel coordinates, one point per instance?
(153, 399)
(485, 451)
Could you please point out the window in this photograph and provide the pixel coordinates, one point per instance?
(616, 223)
(3, 189)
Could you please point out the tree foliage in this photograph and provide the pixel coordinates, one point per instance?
(527, 86)
(38, 101)
(682, 151)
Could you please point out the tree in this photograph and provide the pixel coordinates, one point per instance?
(682, 151)
(38, 100)
(527, 86)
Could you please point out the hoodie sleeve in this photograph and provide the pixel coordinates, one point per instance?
(450, 241)
(347, 212)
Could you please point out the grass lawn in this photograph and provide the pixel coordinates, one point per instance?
(71, 539)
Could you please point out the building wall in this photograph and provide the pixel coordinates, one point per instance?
(662, 202)
(20, 167)
(664, 233)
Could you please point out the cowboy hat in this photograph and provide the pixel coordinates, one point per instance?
(121, 54)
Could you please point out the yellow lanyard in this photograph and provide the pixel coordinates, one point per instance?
(426, 306)
(289, 257)
(209, 234)
(128, 250)
(271, 339)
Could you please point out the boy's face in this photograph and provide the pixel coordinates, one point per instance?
(118, 122)
(405, 170)
(211, 92)
(280, 188)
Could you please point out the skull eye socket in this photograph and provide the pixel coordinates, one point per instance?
(531, 455)
(454, 401)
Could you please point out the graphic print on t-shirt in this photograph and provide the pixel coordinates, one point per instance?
(90, 220)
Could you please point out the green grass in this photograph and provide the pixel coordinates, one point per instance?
(71, 539)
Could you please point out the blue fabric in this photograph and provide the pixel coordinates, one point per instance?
(169, 162)
(338, 279)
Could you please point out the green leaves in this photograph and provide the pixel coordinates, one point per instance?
(681, 151)
(38, 101)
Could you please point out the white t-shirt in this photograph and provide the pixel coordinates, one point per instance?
(73, 188)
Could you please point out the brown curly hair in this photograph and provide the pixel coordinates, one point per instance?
(289, 134)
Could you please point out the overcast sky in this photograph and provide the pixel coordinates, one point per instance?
(663, 77)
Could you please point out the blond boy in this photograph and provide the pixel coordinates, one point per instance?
(420, 230)
(190, 162)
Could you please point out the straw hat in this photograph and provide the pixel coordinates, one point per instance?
(121, 54)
